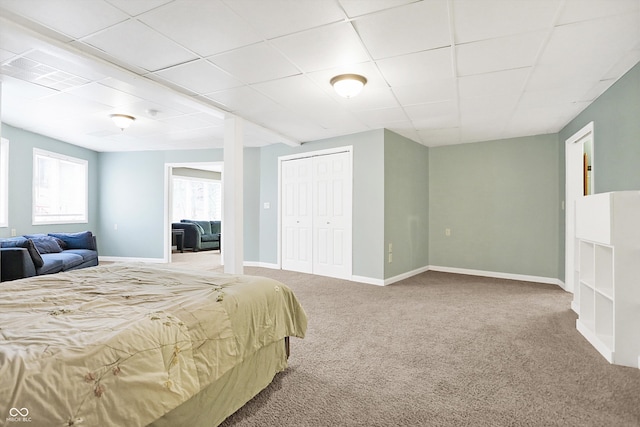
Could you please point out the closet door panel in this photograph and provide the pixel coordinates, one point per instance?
(297, 215)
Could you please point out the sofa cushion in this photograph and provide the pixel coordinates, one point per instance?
(51, 265)
(210, 237)
(81, 240)
(22, 242)
(68, 259)
(86, 254)
(46, 244)
(203, 226)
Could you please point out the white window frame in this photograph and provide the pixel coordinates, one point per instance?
(4, 182)
(84, 216)
(198, 179)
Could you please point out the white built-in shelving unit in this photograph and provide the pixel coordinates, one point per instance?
(607, 295)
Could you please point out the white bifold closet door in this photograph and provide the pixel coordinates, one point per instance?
(316, 215)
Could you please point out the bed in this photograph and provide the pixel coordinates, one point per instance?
(138, 345)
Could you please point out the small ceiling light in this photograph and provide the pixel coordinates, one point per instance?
(348, 85)
(123, 121)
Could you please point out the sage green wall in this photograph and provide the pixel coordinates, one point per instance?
(406, 204)
(21, 145)
(368, 198)
(500, 200)
(616, 141)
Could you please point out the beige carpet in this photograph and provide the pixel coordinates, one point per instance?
(440, 350)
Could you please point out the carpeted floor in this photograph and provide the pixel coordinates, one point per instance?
(440, 349)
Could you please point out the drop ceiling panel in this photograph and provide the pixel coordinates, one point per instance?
(199, 76)
(242, 100)
(431, 91)
(104, 95)
(207, 27)
(583, 10)
(413, 28)
(276, 18)
(75, 18)
(137, 7)
(486, 19)
(137, 44)
(507, 84)
(256, 63)
(333, 46)
(418, 67)
(497, 54)
(359, 7)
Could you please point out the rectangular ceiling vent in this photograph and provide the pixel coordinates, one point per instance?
(41, 74)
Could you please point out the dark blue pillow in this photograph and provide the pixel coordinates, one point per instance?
(81, 240)
(46, 244)
(13, 242)
(22, 242)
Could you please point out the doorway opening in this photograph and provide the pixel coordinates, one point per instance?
(193, 191)
(579, 181)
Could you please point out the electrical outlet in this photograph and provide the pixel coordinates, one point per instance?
(447, 232)
(390, 247)
(115, 226)
(390, 258)
(13, 232)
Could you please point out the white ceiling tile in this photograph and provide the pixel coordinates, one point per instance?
(104, 94)
(359, 7)
(74, 18)
(139, 45)
(256, 63)
(623, 65)
(5, 55)
(480, 20)
(322, 48)
(137, 7)
(295, 92)
(382, 118)
(412, 28)
(371, 98)
(498, 85)
(417, 67)
(199, 76)
(434, 115)
(599, 40)
(206, 27)
(582, 10)
(497, 54)
(243, 100)
(439, 137)
(428, 91)
(276, 18)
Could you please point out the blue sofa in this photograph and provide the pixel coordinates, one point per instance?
(38, 254)
(199, 235)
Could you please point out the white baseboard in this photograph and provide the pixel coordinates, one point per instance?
(261, 264)
(131, 259)
(499, 275)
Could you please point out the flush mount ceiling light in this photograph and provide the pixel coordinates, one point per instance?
(123, 121)
(348, 85)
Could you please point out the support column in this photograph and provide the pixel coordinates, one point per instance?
(233, 213)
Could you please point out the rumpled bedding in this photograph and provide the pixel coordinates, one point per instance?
(123, 344)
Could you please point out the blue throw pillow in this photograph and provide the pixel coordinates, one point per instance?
(22, 242)
(46, 244)
(35, 254)
(81, 240)
(13, 242)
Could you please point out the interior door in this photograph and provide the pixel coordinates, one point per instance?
(296, 214)
(332, 215)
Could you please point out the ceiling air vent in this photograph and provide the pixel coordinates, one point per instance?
(35, 72)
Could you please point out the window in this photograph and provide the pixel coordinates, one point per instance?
(60, 189)
(4, 183)
(196, 198)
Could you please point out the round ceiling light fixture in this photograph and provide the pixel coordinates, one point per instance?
(123, 121)
(348, 85)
